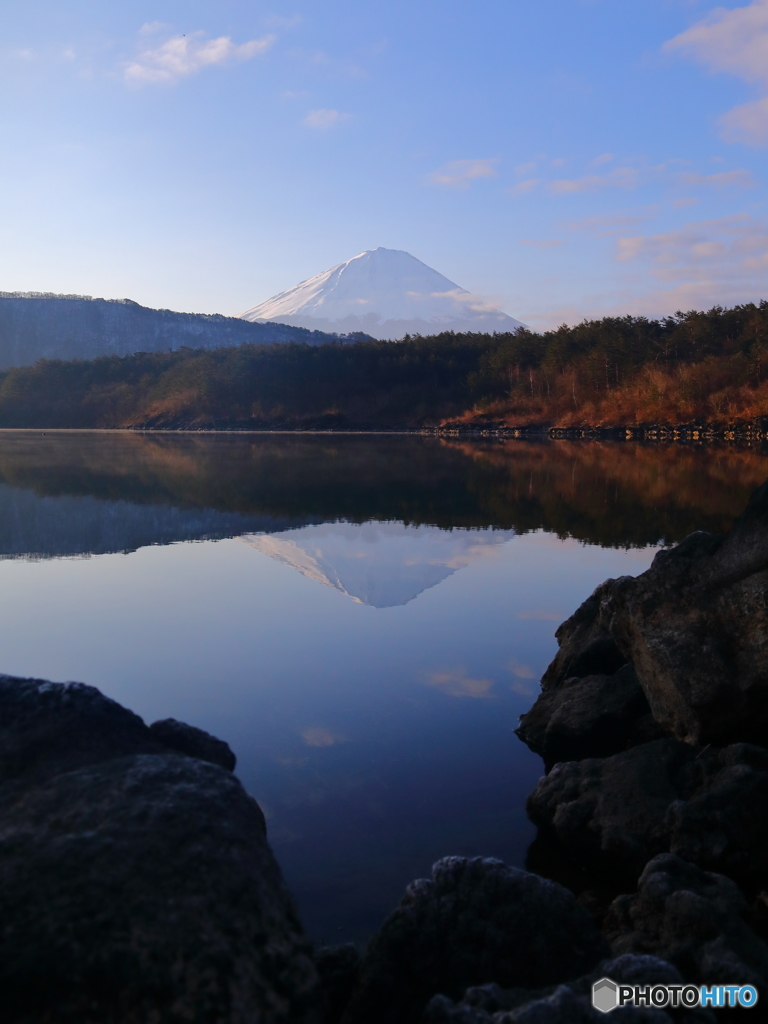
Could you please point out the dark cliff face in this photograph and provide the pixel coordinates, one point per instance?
(73, 327)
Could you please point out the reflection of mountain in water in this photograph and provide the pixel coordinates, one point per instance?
(378, 564)
(51, 527)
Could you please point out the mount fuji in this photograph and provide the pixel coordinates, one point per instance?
(385, 293)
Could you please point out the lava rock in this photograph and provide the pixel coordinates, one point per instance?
(695, 629)
(48, 728)
(135, 886)
(566, 1004)
(592, 716)
(613, 808)
(194, 742)
(708, 806)
(338, 967)
(476, 921)
(695, 919)
(585, 644)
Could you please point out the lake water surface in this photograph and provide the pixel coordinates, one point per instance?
(362, 618)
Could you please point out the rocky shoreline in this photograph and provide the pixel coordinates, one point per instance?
(137, 885)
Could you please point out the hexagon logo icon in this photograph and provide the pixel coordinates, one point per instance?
(605, 995)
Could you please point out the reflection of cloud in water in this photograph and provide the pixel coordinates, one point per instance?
(456, 683)
(319, 737)
(540, 615)
(378, 564)
(521, 671)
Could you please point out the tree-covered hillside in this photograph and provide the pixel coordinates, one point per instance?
(615, 371)
(40, 326)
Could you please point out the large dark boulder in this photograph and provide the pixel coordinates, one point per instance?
(709, 806)
(136, 885)
(476, 921)
(698, 920)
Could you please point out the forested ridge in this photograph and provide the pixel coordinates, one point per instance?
(697, 366)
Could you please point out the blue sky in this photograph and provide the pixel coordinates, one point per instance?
(564, 158)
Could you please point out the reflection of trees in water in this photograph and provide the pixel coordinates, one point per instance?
(607, 493)
(615, 493)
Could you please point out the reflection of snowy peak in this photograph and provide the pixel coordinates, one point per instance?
(386, 293)
(378, 564)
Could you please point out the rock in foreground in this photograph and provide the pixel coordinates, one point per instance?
(476, 921)
(694, 627)
(136, 883)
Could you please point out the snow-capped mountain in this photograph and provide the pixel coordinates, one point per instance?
(385, 293)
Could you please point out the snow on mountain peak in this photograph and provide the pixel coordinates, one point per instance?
(385, 293)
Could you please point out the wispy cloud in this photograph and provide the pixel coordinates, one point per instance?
(541, 615)
(277, 21)
(456, 683)
(734, 41)
(606, 226)
(524, 186)
(740, 177)
(727, 248)
(604, 158)
(323, 119)
(622, 177)
(542, 243)
(459, 173)
(184, 55)
(477, 303)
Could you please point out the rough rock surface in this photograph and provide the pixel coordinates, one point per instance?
(338, 967)
(695, 919)
(590, 716)
(194, 742)
(709, 806)
(136, 885)
(476, 921)
(695, 629)
(565, 1004)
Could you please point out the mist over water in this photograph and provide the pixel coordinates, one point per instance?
(363, 619)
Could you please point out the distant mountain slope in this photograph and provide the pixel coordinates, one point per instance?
(39, 326)
(386, 293)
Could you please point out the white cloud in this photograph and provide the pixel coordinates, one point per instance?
(734, 41)
(183, 55)
(459, 173)
(604, 158)
(324, 119)
(622, 177)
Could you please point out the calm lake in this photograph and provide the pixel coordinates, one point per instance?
(362, 618)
